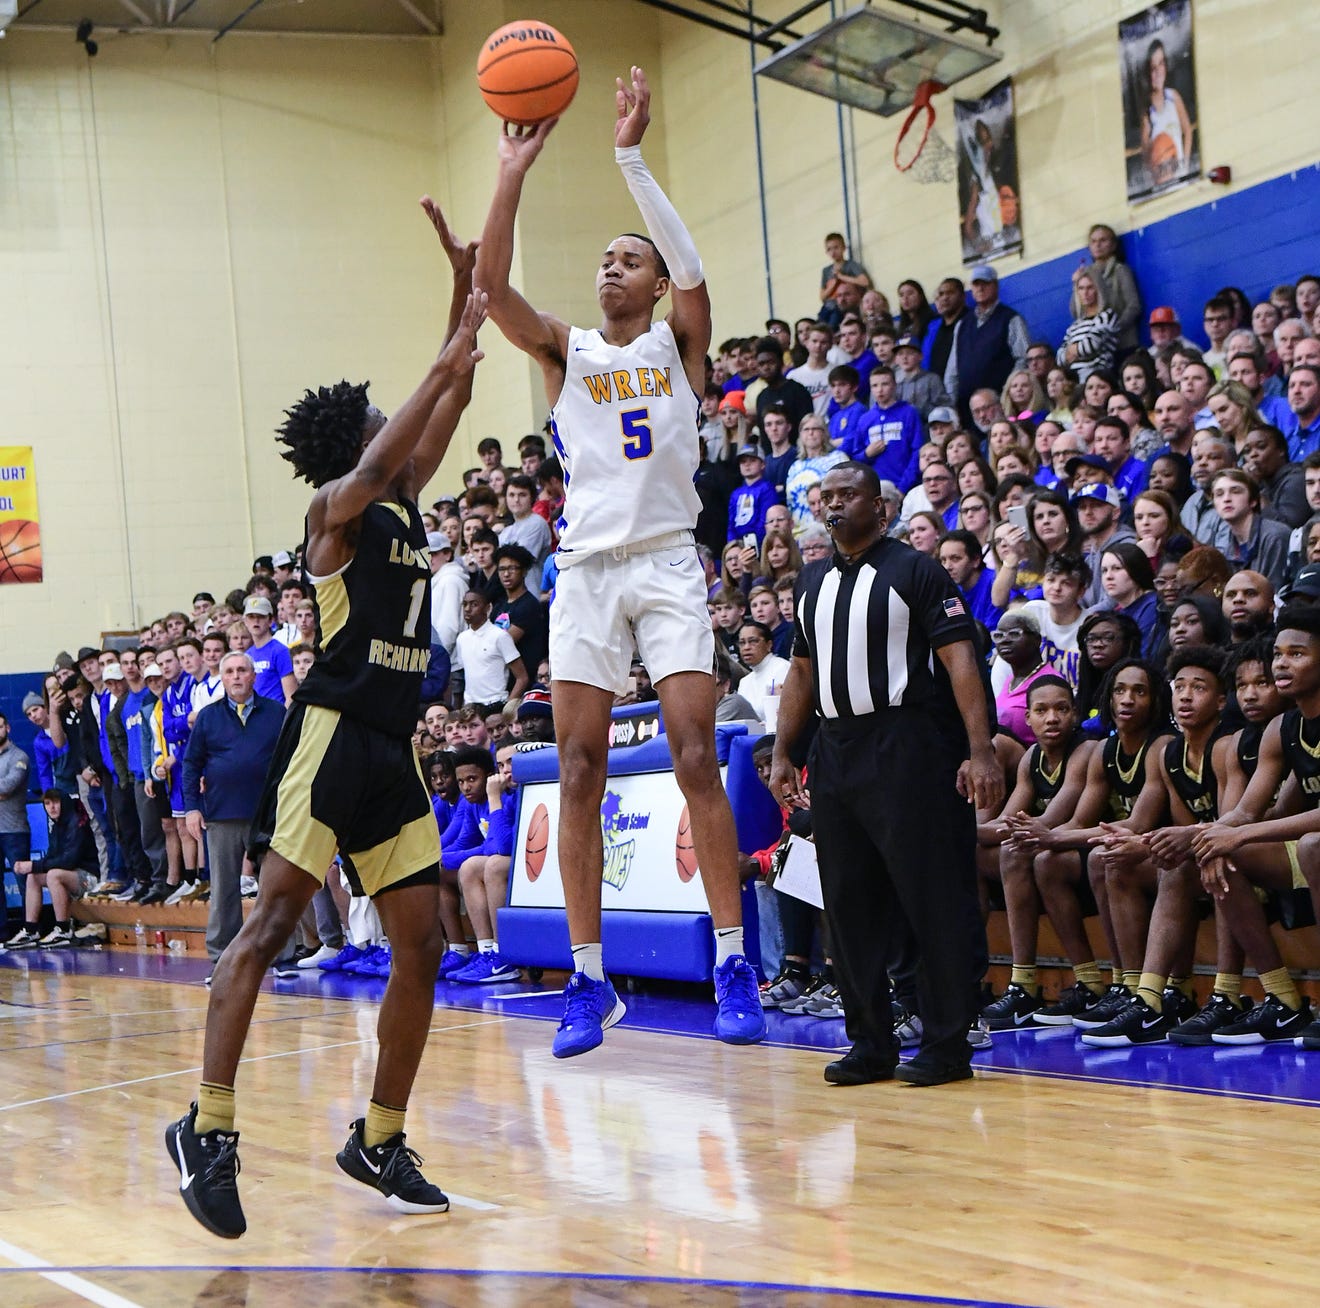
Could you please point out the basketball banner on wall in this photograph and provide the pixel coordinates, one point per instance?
(1161, 144)
(989, 203)
(20, 534)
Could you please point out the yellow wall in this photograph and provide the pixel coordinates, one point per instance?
(190, 234)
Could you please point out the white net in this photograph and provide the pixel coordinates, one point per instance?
(937, 161)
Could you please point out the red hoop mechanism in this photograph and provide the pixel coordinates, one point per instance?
(920, 101)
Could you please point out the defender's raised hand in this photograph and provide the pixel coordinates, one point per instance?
(462, 255)
(461, 352)
(519, 146)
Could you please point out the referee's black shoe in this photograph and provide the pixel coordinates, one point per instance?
(858, 1069)
(925, 1070)
(208, 1175)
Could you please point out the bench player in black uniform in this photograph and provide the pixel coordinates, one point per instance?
(1242, 930)
(1134, 705)
(1290, 745)
(1041, 776)
(344, 776)
(1148, 856)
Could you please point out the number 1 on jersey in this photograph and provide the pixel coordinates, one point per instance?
(415, 607)
(636, 427)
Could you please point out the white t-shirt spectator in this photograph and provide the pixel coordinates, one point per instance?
(817, 382)
(1058, 643)
(485, 655)
(755, 686)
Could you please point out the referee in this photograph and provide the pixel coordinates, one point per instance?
(902, 749)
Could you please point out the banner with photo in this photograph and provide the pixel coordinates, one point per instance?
(20, 533)
(1161, 144)
(989, 203)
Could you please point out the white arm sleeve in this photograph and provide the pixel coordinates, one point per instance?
(663, 224)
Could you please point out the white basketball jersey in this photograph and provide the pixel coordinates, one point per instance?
(625, 428)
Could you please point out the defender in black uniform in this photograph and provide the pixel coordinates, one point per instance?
(345, 776)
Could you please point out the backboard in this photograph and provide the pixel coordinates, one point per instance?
(873, 61)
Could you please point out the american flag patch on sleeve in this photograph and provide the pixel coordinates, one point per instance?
(953, 608)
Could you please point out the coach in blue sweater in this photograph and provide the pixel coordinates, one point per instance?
(229, 751)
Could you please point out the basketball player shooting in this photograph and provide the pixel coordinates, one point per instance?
(344, 776)
(624, 409)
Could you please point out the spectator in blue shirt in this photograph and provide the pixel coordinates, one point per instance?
(46, 756)
(1112, 441)
(960, 556)
(846, 411)
(1303, 432)
(270, 658)
(485, 875)
(749, 503)
(889, 434)
(941, 488)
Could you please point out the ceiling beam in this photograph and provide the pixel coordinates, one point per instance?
(419, 17)
(140, 14)
(234, 22)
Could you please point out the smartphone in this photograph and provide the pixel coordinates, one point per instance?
(749, 541)
(1017, 515)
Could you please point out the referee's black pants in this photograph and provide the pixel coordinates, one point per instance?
(896, 847)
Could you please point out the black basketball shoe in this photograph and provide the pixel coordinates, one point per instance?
(208, 1175)
(391, 1168)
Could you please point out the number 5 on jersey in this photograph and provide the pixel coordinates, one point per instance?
(636, 427)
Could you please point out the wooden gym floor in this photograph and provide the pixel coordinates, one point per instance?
(664, 1168)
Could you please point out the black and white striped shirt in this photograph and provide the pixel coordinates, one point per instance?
(870, 628)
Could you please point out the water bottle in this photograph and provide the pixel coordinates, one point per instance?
(141, 933)
(177, 946)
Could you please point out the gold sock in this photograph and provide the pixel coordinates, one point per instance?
(215, 1108)
(1132, 980)
(1184, 985)
(382, 1122)
(1088, 974)
(1229, 984)
(1151, 988)
(1024, 977)
(1280, 984)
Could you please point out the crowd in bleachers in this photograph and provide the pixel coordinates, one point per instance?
(1123, 519)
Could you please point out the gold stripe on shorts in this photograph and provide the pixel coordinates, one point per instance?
(1294, 863)
(307, 844)
(413, 850)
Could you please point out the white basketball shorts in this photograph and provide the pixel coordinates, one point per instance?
(649, 597)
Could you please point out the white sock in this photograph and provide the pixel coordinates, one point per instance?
(728, 943)
(589, 959)
(462, 949)
(485, 946)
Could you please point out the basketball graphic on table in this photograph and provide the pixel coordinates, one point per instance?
(20, 551)
(527, 72)
(685, 853)
(537, 842)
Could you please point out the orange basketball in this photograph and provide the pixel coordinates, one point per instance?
(685, 855)
(20, 551)
(527, 72)
(538, 841)
(1163, 156)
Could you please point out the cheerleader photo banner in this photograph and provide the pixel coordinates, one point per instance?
(1161, 144)
(989, 204)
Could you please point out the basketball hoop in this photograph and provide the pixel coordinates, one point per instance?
(932, 160)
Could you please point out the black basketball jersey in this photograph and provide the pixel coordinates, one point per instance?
(1045, 785)
(1198, 790)
(375, 619)
(1301, 754)
(1248, 747)
(1126, 776)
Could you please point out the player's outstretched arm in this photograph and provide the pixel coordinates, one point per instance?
(341, 501)
(433, 443)
(690, 316)
(542, 336)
